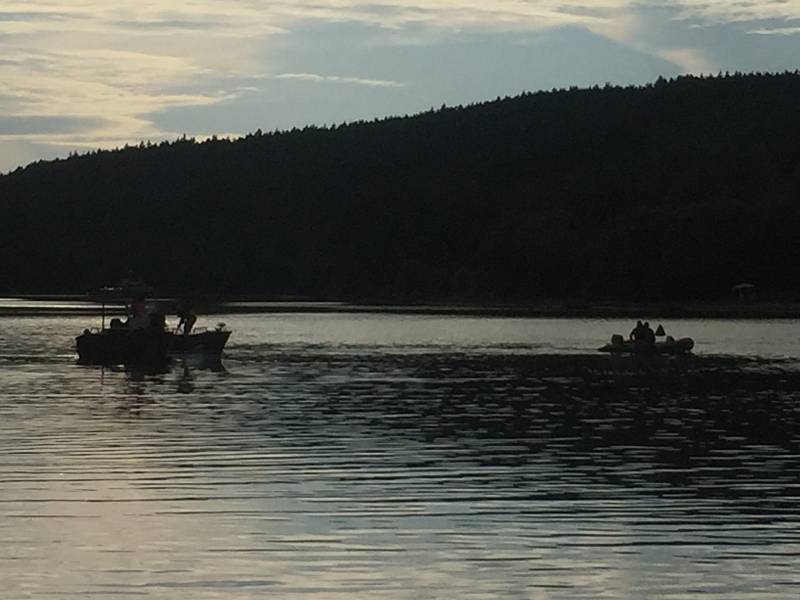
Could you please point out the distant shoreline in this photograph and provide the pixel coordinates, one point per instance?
(73, 305)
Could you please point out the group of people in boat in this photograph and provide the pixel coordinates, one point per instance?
(643, 335)
(155, 320)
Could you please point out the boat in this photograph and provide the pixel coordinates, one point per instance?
(119, 345)
(143, 337)
(619, 345)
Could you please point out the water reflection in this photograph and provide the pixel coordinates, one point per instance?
(345, 470)
(182, 366)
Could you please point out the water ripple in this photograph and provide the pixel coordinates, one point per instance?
(398, 471)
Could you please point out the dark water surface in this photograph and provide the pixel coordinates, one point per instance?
(338, 456)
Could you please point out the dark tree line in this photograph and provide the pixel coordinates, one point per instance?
(675, 190)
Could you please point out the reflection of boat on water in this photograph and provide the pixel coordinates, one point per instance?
(186, 364)
(618, 345)
(143, 338)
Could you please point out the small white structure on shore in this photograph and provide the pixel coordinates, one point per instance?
(743, 289)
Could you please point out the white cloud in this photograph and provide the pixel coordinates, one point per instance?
(689, 60)
(117, 62)
(726, 11)
(776, 31)
(338, 79)
(117, 88)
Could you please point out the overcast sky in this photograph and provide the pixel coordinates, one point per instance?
(86, 74)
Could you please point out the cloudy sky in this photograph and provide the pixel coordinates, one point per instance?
(86, 74)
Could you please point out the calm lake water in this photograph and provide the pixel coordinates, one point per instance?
(385, 456)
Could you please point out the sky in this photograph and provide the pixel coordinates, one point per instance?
(77, 75)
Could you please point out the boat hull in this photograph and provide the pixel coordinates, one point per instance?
(110, 347)
(208, 343)
(114, 347)
(674, 347)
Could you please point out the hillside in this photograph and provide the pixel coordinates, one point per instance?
(675, 190)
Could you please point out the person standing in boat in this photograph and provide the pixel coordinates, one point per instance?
(648, 337)
(636, 332)
(137, 314)
(186, 318)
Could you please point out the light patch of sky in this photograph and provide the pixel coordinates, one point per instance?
(726, 11)
(112, 65)
(690, 60)
(777, 31)
(337, 79)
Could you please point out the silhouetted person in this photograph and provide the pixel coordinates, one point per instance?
(636, 332)
(648, 337)
(137, 317)
(186, 318)
(138, 308)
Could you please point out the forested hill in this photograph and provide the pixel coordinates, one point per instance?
(675, 190)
